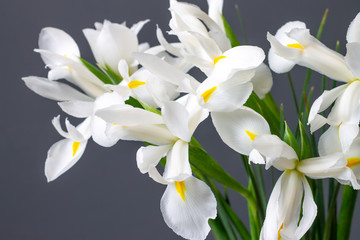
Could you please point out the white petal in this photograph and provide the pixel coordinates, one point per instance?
(277, 152)
(324, 101)
(54, 90)
(237, 128)
(136, 28)
(228, 97)
(255, 157)
(176, 118)
(320, 58)
(215, 12)
(353, 32)
(352, 57)
(147, 157)
(279, 64)
(329, 142)
(262, 81)
(309, 212)
(177, 166)
(170, 48)
(155, 134)
(61, 158)
(59, 42)
(126, 115)
(189, 218)
(347, 133)
(239, 58)
(79, 109)
(161, 68)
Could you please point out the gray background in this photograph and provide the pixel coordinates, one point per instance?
(104, 196)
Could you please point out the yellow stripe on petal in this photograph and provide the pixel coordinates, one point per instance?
(218, 59)
(135, 84)
(295, 45)
(251, 135)
(352, 162)
(279, 236)
(180, 188)
(75, 147)
(207, 94)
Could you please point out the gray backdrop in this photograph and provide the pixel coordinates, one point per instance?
(104, 196)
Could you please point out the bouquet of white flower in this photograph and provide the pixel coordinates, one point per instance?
(143, 93)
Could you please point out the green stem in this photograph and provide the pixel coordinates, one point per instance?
(241, 24)
(293, 92)
(346, 212)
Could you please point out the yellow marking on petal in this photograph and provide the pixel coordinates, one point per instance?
(251, 135)
(180, 188)
(207, 94)
(75, 147)
(279, 236)
(295, 45)
(352, 162)
(135, 84)
(69, 67)
(218, 59)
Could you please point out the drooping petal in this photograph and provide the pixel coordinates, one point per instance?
(353, 32)
(54, 90)
(296, 229)
(147, 157)
(324, 101)
(188, 216)
(62, 156)
(136, 28)
(262, 81)
(79, 109)
(215, 12)
(239, 128)
(329, 142)
(177, 166)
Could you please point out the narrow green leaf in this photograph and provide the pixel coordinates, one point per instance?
(331, 214)
(218, 229)
(230, 33)
(148, 108)
(282, 120)
(241, 24)
(346, 212)
(271, 104)
(291, 140)
(95, 71)
(305, 146)
(253, 219)
(133, 102)
(293, 93)
(210, 168)
(115, 79)
(319, 200)
(322, 24)
(260, 107)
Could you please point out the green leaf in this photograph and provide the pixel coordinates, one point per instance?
(96, 71)
(305, 146)
(271, 104)
(218, 229)
(230, 33)
(255, 103)
(291, 140)
(133, 102)
(115, 79)
(210, 168)
(331, 215)
(148, 108)
(346, 212)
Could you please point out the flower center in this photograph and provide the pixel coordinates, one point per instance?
(352, 162)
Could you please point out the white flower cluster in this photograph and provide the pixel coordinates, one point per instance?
(145, 94)
(172, 102)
